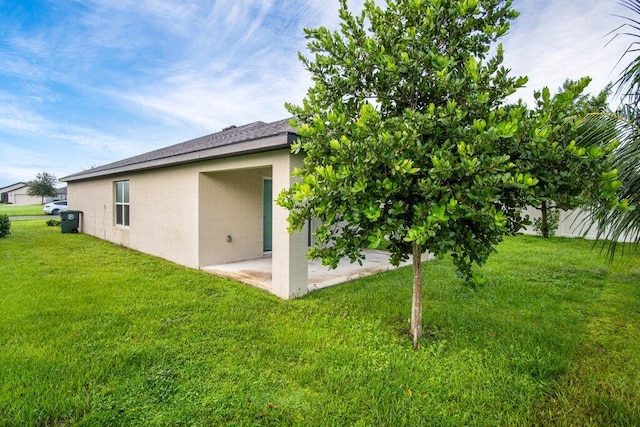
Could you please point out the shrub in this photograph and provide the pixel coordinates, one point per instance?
(5, 225)
(553, 222)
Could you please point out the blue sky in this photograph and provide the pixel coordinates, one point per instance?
(88, 82)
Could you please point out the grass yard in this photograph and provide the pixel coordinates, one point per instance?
(95, 334)
(14, 210)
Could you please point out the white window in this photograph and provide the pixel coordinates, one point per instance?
(122, 203)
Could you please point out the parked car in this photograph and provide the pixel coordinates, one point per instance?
(54, 208)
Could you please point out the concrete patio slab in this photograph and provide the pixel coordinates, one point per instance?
(257, 272)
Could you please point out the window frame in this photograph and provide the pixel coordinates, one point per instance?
(122, 209)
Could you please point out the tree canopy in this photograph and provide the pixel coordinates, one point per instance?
(570, 174)
(408, 140)
(401, 132)
(43, 185)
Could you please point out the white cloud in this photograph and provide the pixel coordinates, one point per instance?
(215, 84)
(13, 174)
(22, 164)
(20, 156)
(21, 122)
(16, 120)
(108, 79)
(555, 40)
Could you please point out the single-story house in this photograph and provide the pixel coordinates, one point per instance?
(207, 202)
(61, 194)
(202, 202)
(17, 194)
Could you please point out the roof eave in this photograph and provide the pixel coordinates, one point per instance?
(231, 150)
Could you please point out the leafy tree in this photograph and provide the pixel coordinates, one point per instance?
(549, 148)
(43, 185)
(403, 133)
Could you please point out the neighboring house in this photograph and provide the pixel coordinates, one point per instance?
(61, 194)
(17, 195)
(203, 202)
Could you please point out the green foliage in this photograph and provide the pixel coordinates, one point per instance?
(53, 223)
(402, 133)
(551, 146)
(569, 173)
(623, 222)
(109, 336)
(5, 225)
(547, 225)
(629, 81)
(43, 185)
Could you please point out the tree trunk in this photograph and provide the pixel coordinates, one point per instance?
(545, 223)
(416, 304)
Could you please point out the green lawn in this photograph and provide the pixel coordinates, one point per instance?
(12, 210)
(96, 334)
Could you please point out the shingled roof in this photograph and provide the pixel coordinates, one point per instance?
(233, 141)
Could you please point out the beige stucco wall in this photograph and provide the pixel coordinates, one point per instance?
(289, 264)
(231, 215)
(96, 201)
(163, 212)
(185, 213)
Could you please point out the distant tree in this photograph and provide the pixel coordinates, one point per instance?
(43, 185)
(402, 134)
(548, 147)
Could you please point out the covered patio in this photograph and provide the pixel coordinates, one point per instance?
(258, 272)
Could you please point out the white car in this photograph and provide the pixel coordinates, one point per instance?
(54, 208)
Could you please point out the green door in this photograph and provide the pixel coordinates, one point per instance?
(267, 214)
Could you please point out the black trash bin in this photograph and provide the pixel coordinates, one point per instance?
(70, 221)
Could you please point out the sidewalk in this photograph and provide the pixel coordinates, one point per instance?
(42, 217)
